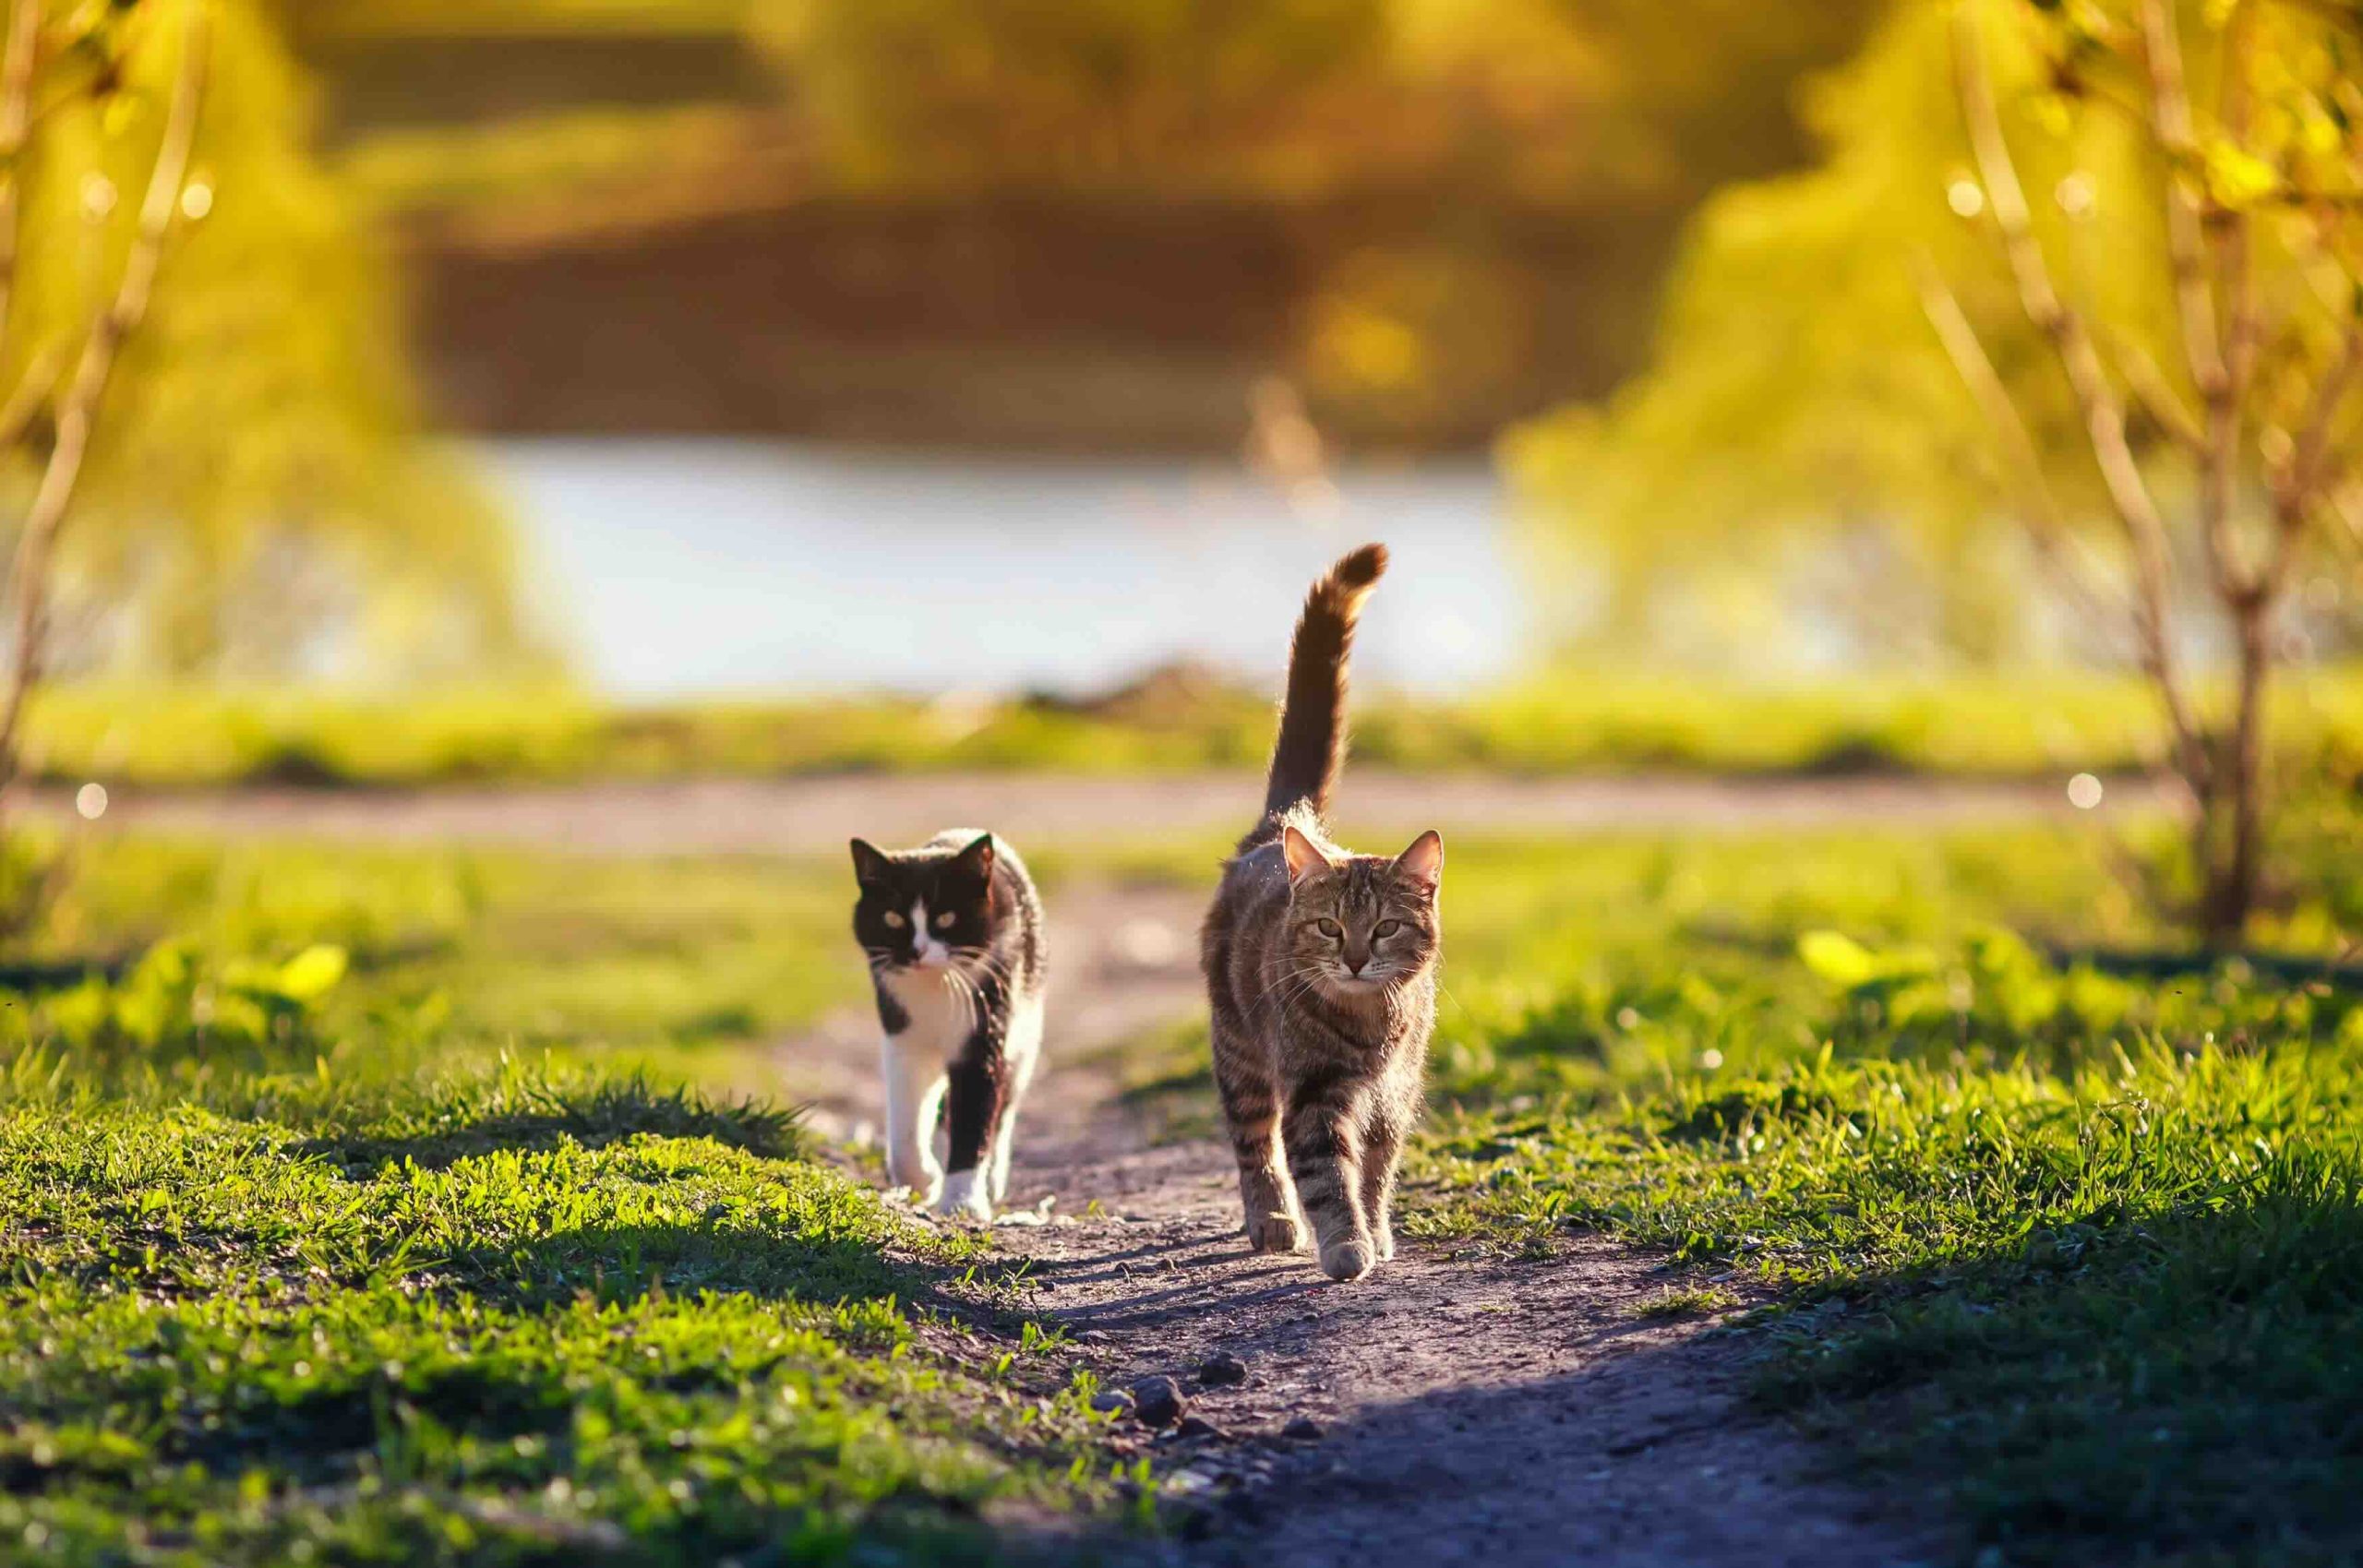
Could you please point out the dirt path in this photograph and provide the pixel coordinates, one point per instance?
(1469, 1410)
(820, 814)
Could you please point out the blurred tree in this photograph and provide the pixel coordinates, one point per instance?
(2262, 190)
(73, 403)
(1549, 100)
(1472, 192)
(1796, 400)
(913, 92)
(1431, 215)
(2141, 386)
(257, 497)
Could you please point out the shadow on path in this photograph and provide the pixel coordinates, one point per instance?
(1494, 1412)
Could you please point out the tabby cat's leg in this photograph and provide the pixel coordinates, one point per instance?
(1252, 1109)
(1321, 1133)
(1383, 1132)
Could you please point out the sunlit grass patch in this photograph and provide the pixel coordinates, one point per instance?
(328, 1327)
(2023, 1179)
(2068, 1228)
(1685, 1302)
(162, 959)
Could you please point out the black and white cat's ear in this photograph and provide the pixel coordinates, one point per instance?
(868, 865)
(1304, 857)
(978, 858)
(1423, 864)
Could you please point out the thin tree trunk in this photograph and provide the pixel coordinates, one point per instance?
(78, 410)
(2231, 896)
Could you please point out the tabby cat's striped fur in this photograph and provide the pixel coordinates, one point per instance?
(1321, 972)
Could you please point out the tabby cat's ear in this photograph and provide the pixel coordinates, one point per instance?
(978, 857)
(1423, 864)
(1304, 857)
(868, 865)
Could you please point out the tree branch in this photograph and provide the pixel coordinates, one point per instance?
(2095, 397)
(32, 389)
(78, 410)
(2157, 396)
(2039, 509)
(2310, 460)
(2313, 468)
(2345, 503)
(16, 129)
(2220, 357)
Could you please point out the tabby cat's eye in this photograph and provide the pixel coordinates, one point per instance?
(894, 920)
(944, 921)
(1328, 927)
(1386, 928)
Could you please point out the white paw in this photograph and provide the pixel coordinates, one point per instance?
(964, 1196)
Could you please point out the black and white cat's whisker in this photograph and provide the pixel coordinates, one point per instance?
(970, 996)
(993, 966)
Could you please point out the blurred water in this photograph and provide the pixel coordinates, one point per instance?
(712, 565)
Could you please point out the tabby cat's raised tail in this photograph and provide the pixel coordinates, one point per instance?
(1312, 715)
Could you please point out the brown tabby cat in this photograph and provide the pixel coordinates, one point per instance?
(1321, 969)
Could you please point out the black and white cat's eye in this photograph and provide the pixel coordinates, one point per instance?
(896, 920)
(944, 921)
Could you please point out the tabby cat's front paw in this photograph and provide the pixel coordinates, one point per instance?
(965, 1196)
(1273, 1233)
(1348, 1260)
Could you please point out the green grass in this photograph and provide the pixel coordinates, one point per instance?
(2048, 1220)
(1685, 1302)
(299, 1263)
(511, 1321)
(2062, 1226)
(2023, 725)
(694, 965)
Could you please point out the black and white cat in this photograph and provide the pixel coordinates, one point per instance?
(953, 933)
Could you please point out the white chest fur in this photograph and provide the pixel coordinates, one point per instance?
(942, 1016)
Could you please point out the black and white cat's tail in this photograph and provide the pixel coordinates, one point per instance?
(1312, 744)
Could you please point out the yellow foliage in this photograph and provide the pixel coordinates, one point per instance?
(261, 497)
